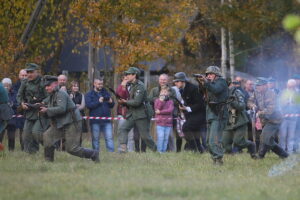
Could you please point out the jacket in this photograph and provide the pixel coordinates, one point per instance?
(165, 117)
(61, 109)
(237, 110)
(96, 108)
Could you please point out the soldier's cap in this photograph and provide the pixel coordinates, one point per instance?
(180, 76)
(132, 70)
(48, 79)
(296, 76)
(261, 81)
(31, 67)
(271, 80)
(236, 82)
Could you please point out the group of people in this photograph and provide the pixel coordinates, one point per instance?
(211, 114)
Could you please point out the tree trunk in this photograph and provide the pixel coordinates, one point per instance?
(231, 55)
(223, 50)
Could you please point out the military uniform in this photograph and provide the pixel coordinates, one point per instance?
(216, 112)
(235, 131)
(32, 92)
(138, 114)
(270, 118)
(66, 123)
(3, 101)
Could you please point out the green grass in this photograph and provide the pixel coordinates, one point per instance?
(144, 176)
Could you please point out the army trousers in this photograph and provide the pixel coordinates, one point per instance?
(72, 134)
(143, 127)
(214, 138)
(33, 134)
(236, 137)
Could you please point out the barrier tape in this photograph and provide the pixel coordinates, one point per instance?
(99, 118)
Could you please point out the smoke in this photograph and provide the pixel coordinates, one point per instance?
(285, 166)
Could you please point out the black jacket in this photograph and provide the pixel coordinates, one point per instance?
(194, 99)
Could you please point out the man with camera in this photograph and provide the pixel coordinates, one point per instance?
(30, 96)
(100, 103)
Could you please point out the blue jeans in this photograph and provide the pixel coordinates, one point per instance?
(106, 128)
(163, 133)
(287, 134)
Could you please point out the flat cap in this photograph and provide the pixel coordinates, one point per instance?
(133, 70)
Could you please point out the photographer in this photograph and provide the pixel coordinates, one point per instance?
(100, 103)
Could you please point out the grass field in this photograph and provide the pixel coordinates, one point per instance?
(144, 176)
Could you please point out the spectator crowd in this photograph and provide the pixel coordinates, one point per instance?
(183, 114)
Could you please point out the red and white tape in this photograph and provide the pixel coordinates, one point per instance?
(98, 118)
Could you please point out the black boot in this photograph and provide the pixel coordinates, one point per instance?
(279, 151)
(263, 150)
(137, 146)
(11, 144)
(218, 161)
(252, 151)
(92, 154)
(49, 153)
(178, 144)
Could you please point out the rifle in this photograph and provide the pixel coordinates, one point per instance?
(179, 102)
(199, 75)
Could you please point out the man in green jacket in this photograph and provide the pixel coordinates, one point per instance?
(216, 110)
(30, 96)
(264, 102)
(139, 111)
(235, 131)
(65, 123)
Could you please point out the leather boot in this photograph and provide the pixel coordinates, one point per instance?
(218, 161)
(92, 154)
(252, 151)
(49, 153)
(178, 144)
(279, 151)
(263, 150)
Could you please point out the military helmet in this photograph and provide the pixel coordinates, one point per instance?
(213, 70)
(133, 70)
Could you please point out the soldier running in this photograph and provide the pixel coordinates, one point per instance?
(65, 123)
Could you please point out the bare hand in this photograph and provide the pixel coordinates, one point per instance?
(157, 111)
(24, 106)
(43, 109)
(110, 100)
(182, 107)
(101, 99)
(122, 101)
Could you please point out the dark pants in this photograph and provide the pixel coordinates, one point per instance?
(139, 144)
(11, 130)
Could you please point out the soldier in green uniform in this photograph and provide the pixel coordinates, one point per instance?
(3, 102)
(264, 102)
(216, 110)
(235, 131)
(65, 123)
(139, 111)
(30, 95)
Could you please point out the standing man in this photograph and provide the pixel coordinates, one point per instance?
(21, 120)
(3, 101)
(99, 103)
(194, 111)
(138, 114)
(65, 122)
(235, 131)
(163, 82)
(264, 101)
(272, 86)
(216, 110)
(30, 96)
(62, 82)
